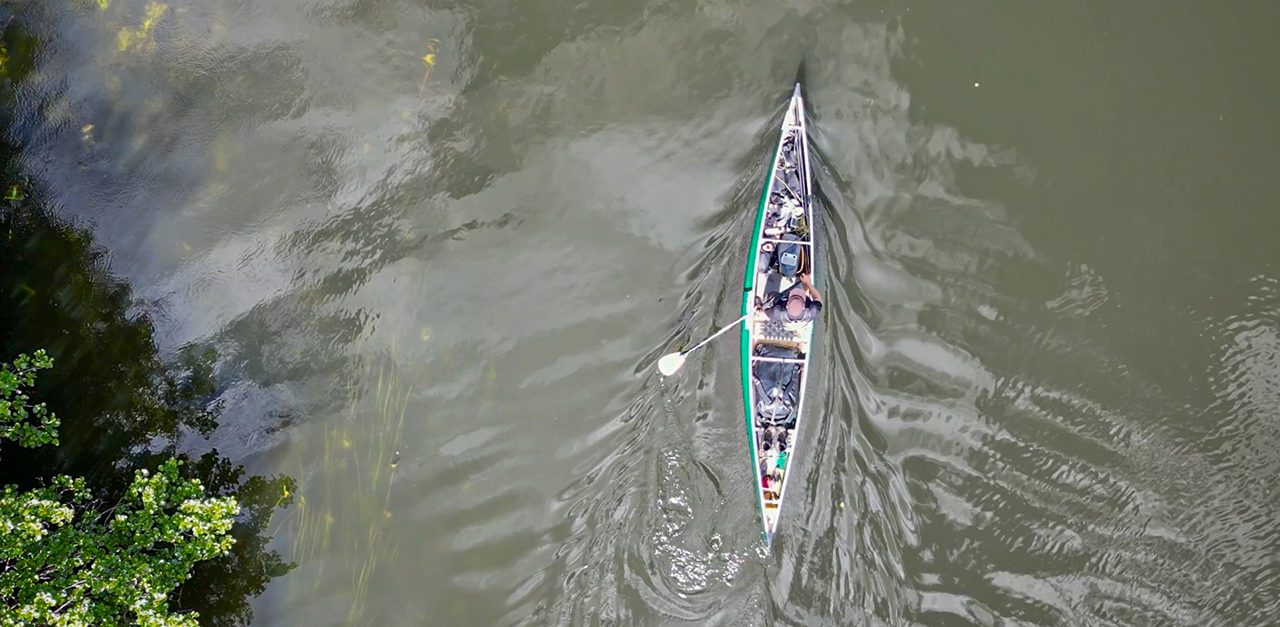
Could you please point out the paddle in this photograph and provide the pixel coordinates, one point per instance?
(670, 363)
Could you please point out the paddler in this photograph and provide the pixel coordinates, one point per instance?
(792, 305)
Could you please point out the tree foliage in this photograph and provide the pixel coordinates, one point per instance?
(66, 560)
(15, 409)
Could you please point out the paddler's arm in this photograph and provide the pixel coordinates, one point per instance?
(804, 278)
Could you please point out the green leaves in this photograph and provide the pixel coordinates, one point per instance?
(65, 561)
(15, 409)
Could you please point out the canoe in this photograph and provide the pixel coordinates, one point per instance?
(775, 347)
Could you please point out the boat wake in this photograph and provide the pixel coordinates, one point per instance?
(974, 457)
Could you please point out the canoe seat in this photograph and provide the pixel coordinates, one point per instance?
(776, 330)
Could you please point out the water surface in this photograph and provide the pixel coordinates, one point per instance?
(1048, 393)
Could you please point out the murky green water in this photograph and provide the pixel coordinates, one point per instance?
(1049, 393)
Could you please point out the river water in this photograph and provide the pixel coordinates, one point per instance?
(1048, 393)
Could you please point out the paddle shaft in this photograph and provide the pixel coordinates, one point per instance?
(716, 335)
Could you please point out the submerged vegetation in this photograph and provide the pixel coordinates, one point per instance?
(358, 458)
(104, 520)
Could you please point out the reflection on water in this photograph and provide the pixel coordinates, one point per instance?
(440, 297)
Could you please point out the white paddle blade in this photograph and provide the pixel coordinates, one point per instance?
(669, 364)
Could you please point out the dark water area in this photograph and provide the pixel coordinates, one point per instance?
(439, 247)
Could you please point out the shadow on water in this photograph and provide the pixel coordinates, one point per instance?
(123, 406)
(118, 398)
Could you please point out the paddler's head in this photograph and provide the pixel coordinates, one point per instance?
(795, 304)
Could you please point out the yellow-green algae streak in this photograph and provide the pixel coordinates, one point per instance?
(361, 447)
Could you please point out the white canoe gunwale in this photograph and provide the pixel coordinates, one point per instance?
(770, 494)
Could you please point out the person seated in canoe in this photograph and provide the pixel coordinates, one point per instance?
(795, 305)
